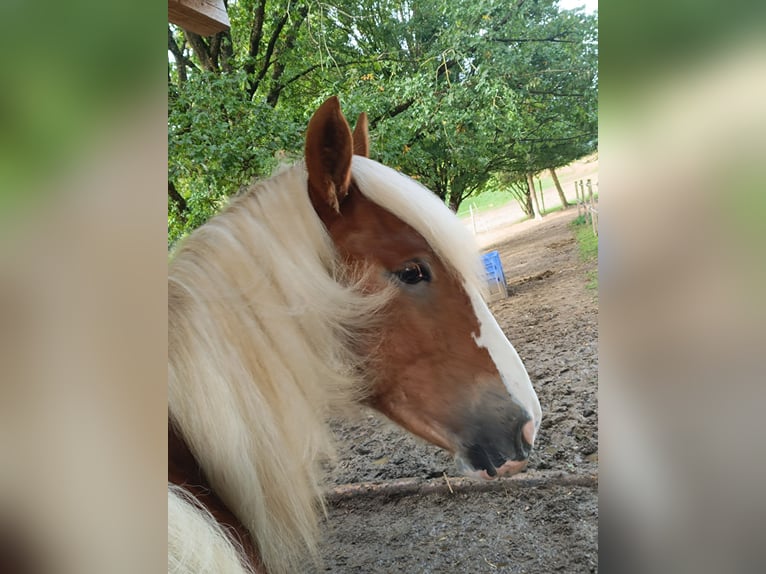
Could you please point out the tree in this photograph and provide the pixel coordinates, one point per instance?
(557, 121)
(505, 87)
(519, 189)
(455, 92)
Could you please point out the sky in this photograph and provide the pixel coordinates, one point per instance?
(590, 5)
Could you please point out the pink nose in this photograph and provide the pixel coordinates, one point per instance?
(511, 467)
(528, 432)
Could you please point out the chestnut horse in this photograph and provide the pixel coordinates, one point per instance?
(336, 282)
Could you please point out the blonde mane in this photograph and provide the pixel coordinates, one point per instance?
(262, 323)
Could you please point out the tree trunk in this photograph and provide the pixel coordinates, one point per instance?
(529, 208)
(202, 51)
(253, 83)
(181, 61)
(279, 65)
(178, 199)
(562, 197)
(520, 192)
(531, 187)
(454, 203)
(227, 52)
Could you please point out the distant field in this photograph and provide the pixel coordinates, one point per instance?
(486, 200)
(582, 168)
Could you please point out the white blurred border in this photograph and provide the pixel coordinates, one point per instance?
(682, 272)
(83, 400)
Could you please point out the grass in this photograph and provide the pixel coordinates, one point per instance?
(484, 201)
(553, 209)
(545, 212)
(588, 245)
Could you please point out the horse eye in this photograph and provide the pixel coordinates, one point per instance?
(413, 273)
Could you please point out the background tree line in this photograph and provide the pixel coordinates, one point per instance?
(457, 91)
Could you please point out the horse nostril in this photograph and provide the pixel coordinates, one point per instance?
(525, 437)
(479, 458)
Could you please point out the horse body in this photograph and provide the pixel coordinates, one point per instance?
(336, 282)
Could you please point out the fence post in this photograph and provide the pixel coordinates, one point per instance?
(577, 198)
(588, 214)
(593, 212)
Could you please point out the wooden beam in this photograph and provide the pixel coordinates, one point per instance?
(203, 17)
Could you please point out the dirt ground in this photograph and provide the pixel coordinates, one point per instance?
(546, 525)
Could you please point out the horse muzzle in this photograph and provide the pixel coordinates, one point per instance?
(496, 441)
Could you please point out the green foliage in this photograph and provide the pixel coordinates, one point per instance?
(586, 239)
(218, 143)
(579, 220)
(455, 92)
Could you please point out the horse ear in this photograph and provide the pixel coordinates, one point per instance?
(329, 147)
(361, 137)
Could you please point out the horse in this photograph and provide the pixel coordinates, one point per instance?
(339, 282)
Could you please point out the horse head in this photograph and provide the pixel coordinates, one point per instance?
(438, 363)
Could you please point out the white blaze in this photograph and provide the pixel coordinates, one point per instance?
(505, 357)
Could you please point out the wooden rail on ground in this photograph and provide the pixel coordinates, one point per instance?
(416, 486)
(203, 17)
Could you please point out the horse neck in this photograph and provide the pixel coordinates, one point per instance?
(190, 484)
(258, 330)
